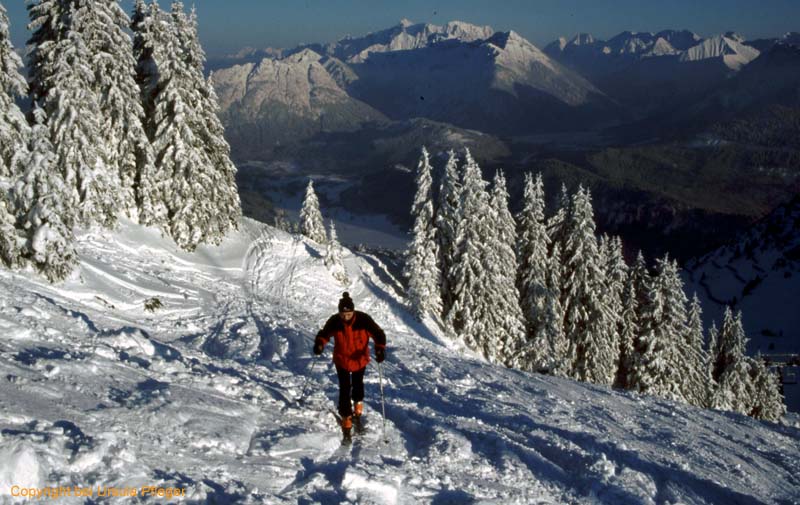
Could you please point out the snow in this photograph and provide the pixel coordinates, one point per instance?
(733, 52)
(199, 395)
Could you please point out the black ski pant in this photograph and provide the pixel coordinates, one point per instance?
(351, 389)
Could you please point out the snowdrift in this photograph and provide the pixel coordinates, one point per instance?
(196, 397)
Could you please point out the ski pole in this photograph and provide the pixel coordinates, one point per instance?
(383, 406)
(309, 370)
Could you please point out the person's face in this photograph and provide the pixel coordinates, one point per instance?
(346, 315)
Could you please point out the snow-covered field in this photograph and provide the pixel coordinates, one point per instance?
(97, 392)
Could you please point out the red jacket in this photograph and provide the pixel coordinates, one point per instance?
(351, 339)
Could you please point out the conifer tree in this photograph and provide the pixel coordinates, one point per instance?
(658, 357)
(550, 349)
(616, 276)
(190, 190)
(311, 224)
(128, 152)
(151, 43)
(468, 318)
(39, 199)
(506, 318)
(732, 369)
(532, 249)
(447, 218)
(767, 401)
(697, 381)
(63, 83)
(558, 224)
(222, 171)
(14, 128)
(594, 348)
(422, 270)
(629, 330)
(712, 351)
(333, 257)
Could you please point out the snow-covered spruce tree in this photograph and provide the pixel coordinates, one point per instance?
(616, 276)
(14, 128)
(732, 368)
(697, 380)
(558, 224)
(186, 179)
(767, 402)
(712, 351)
(447, 218)
(333, 257)
(103, 28)
(532, 251)
(40, 200)
(506, 318)
(554, 358)
(224, 192)
(151, 39)
(659, 351)
(468, 318)
(310, 216)
(422, 269)
(629, 330)
(593, 350)
(63, 82)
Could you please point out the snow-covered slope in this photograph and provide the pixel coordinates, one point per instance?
(279, 99)
(759, 273)
(199, 395)
(730, 49)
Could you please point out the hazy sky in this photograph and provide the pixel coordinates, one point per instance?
(228, 25)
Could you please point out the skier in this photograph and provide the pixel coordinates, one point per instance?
(351, 330)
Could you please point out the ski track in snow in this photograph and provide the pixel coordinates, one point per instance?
(202, 393)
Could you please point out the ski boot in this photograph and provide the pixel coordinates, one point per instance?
(358, 410)
(347, 426)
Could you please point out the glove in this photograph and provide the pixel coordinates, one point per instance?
(380, 354)
(317, 349)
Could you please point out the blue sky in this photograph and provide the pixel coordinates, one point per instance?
(227, 25)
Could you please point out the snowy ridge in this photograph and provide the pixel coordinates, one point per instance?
(733, 52)
(199, 395)
(688, 46)
(300, 82)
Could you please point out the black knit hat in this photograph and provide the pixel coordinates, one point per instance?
(346, 303)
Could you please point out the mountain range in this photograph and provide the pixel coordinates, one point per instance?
(668, 106)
